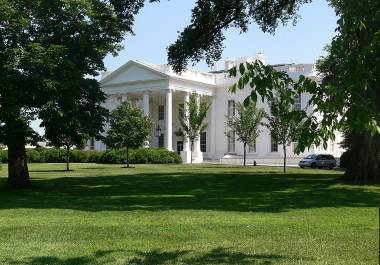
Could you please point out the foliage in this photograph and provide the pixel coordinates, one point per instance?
(246, 123)
(129, 128)
(112, 156)
(284, 122)
(192, 120)
(140, 156)
(50, 52)
(203, 38)
(73, 123)
(348, 93)
(279, 90)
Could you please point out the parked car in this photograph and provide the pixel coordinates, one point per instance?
(320, 161)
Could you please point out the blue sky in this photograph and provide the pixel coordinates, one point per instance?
(158, 24)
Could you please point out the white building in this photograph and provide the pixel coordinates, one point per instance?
(160, 92)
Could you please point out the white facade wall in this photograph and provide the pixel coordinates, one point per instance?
(134, 79)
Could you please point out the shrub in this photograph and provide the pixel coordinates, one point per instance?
(79, 156)
(112, 156)
(140, 156)
(33, 155)
(4, 156)
(53, 155)
(93, 156)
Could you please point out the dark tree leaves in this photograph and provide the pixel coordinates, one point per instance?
(203, 38)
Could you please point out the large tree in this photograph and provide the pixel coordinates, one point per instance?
(246, 124)
(192, 120)
(129, 128)
(50, 49)
(348, 95)
(71, 124)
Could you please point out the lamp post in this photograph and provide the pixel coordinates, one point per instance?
(158, 130)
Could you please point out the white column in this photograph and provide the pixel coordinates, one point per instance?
(212, 136)
(197, 143)
(124, 97)
(168, 120)
(186, 144)
(146, 103)
(146, 111)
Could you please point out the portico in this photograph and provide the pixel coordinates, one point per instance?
(161, 97)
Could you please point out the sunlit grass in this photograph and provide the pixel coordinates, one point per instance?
(196, 214)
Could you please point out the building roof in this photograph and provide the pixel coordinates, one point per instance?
(165, 70)
(208, 78)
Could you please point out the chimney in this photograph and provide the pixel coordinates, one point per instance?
(228, 64)
(260, 56)
(214, 67)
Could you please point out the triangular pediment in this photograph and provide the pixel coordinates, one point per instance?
(132, 72)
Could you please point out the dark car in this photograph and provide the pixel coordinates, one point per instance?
(320, 161)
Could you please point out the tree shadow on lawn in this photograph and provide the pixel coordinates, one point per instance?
(158, 257)
(226, 191)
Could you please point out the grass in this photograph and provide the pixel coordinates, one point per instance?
(175, 214)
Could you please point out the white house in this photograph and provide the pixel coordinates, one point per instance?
(160, 92)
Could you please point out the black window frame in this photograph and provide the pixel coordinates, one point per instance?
(203, 142)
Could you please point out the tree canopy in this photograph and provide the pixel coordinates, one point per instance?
(129, 128)
(203, 38)
(284, 121)
(192, 119)
(246, 124)
(50, 51)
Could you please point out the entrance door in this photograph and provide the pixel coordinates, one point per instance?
(179, 147)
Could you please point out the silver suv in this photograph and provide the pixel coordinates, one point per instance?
(320, 161)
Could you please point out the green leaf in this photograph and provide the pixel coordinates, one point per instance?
(253, 96)
(241, 69)
(247, 101)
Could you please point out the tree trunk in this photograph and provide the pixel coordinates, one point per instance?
(364, 165)
(284, 148)
(18, 174)
(245, 154)
(191, 152)
(67, 158)
(127, 157)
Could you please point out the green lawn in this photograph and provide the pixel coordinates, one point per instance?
(176, 214)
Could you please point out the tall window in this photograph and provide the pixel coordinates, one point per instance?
(231, 108)
(179, 147)
(161, 112)
(161, 140)
(295, 144)
(297, 102)
(203, 141)
(332, 147)
(92, 143)
(252, 147)
(231, 142)
(180, 110)
(273, 144)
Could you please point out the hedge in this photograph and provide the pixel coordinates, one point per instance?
(140, 156)
(112, 156)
